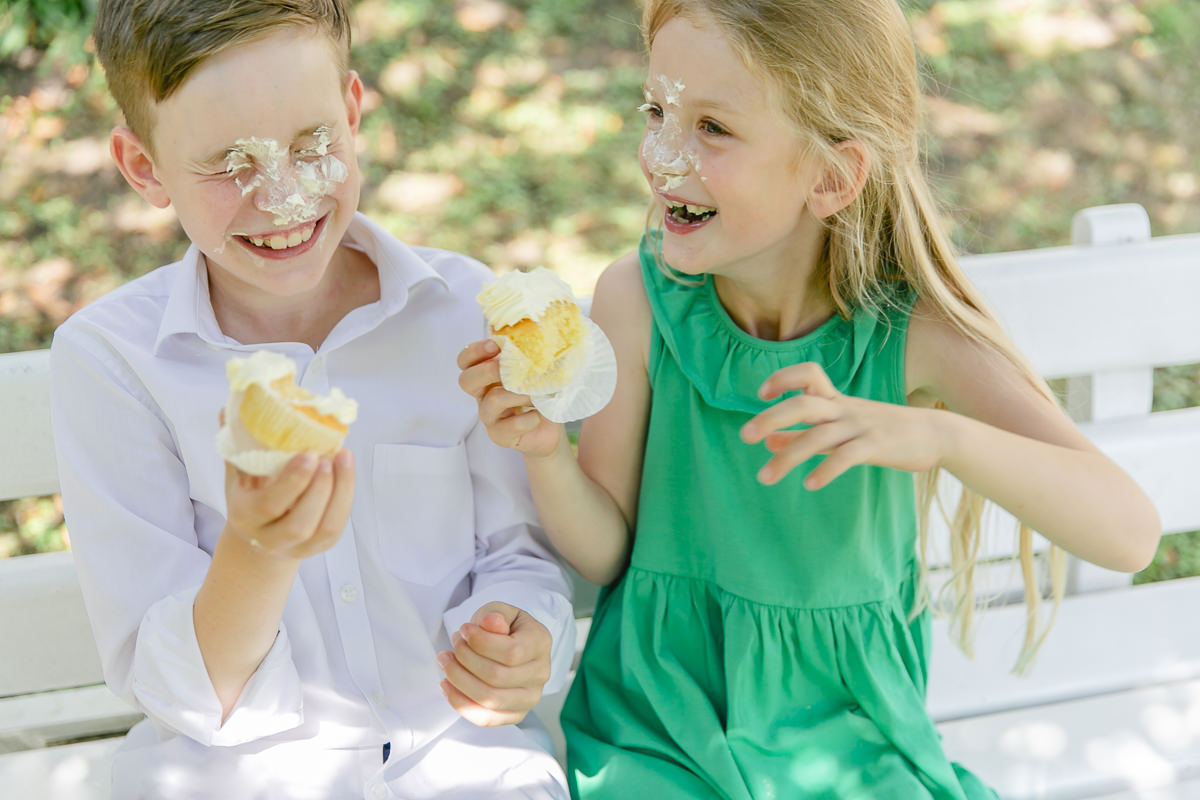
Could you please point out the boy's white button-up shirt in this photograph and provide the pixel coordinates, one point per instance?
(441, 523)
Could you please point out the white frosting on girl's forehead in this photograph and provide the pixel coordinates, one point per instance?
(294, 188)
(672, 89)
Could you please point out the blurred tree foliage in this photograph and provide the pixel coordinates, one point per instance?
(506, 129)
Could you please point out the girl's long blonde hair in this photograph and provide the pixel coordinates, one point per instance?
(846, 70)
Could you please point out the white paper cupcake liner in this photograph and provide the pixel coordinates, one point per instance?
(238, 447)
(592, 386)
(516, 370)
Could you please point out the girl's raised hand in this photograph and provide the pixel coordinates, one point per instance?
(848, 430)
(509, 418)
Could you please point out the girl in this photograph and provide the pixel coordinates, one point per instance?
(759, 637)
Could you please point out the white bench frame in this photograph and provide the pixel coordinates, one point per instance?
(1112, 707)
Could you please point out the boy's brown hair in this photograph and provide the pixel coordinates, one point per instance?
(149, 47)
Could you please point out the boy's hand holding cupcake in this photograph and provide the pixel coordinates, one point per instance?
(545, 364)
(288, 483)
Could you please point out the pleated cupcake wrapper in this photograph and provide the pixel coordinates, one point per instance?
(578, 385)
(236, 445)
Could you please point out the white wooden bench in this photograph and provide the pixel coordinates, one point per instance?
(1111, 708)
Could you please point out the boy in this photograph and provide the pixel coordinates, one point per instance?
(367, 625)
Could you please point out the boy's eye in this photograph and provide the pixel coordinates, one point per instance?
(713, 128)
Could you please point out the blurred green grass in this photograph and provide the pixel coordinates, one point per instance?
(507, 130)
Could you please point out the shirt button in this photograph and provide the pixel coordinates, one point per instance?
(378, 699)
(378, 792)
(349, 593)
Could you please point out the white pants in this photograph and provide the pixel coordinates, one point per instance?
(465, 763)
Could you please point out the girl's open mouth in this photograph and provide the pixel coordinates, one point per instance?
(686, 217)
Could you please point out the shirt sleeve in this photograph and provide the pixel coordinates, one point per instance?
(133, 538)
(513, 563)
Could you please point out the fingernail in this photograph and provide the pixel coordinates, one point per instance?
(443, 659)
(810, 482)
(344, 458)
(764, 475)
(325, 465)
(490, 347)
(308, 461)
(748, 432)
(455, 639)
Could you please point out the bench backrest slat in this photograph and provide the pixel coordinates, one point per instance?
(28, 468)
(46, 639)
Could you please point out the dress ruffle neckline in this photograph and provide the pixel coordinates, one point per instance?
(727, 365)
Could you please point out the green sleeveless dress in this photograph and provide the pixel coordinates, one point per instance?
(758, 646)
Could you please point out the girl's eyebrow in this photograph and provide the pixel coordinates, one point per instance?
(715, 105)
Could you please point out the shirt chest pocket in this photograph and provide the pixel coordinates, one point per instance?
(425, 511)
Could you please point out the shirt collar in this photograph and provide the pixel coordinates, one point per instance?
(189, 306)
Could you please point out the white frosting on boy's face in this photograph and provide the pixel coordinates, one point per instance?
(665, 150)
(294, 187)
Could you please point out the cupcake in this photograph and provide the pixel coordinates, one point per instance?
(269, 419)
(548, 349)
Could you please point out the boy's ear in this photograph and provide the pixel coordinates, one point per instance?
(136, 164)
(354, 100)
(840, 184)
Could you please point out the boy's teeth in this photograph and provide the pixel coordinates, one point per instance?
(279, 241)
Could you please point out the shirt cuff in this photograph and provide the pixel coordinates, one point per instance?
(551, 609)
(171, 683)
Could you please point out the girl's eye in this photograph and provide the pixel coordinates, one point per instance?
(653, 109)
(713, 128)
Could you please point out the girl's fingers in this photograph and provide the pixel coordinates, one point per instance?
(841, 459)
(477, 379)
(498, 404)
(777, 441)
(802, 409)
(476, 352)
(814, 441)
(807, 377)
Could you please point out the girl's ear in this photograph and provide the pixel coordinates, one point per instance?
(841, 183)
(136, 164)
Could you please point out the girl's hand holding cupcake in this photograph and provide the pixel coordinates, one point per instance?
(510, 418)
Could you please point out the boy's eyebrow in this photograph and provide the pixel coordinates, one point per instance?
(218, 157)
